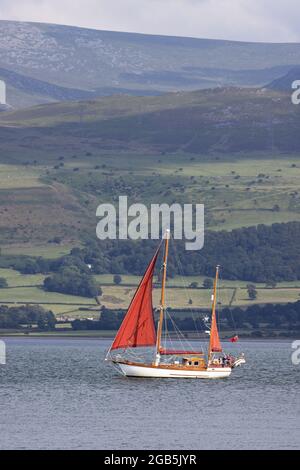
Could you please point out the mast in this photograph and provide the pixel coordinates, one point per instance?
(213, 329)
(162, 299)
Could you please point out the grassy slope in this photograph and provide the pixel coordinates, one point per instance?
(237, 192)
(27, 289)
(233, 192)
(239, 189)
(230, 104)
(50, 251)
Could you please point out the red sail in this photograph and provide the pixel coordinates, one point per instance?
(215, 344)
(137, 328)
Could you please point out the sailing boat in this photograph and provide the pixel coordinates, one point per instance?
(138, 330)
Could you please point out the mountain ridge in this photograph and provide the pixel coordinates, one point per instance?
(93, 60)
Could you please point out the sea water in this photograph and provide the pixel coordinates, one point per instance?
(60, 394)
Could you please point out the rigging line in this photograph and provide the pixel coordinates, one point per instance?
(193, 311)
(172, 345)
(195, 323)
(176, 331)
(234, 326)
(168, 336)
(230, 310)
(165, 331)
(181, 273)
(180, 335)
(229, 307)
(228, 303)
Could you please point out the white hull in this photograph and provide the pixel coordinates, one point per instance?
(130, 370)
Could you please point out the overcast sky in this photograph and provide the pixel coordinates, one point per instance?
(249, 20)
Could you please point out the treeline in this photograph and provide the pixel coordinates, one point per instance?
(257, 254)
(70, 274)
(27, 316)
(285, 316)
(268, 317)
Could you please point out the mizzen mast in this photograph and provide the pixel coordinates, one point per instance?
(162, 299)
(214, 340)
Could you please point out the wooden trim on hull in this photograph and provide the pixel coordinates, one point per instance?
(132, 369)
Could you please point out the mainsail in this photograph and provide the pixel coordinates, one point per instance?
(137, 328)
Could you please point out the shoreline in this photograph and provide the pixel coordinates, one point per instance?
(101, 335)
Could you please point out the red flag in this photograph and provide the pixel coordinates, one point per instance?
(234, 339)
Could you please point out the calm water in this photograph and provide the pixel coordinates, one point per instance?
(59, 394)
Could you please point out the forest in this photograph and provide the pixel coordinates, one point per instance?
(26, 316)
(254, 319)
(257, 254)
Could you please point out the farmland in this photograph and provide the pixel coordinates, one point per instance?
(58, 162)
(27, 289)
(62, 202)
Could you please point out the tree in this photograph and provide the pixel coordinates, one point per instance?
(3, 283)
(271, 284)
(17, 317)
(117, 279)
(193, 285)
(252, 292)
(70, 280)
(208, 283)
(41, 323)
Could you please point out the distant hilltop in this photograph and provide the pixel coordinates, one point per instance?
(43, 63)
(285, 83)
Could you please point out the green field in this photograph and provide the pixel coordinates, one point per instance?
(53, 178)
(237, 192)
(16, 177)
(119, 297)
(171, 148)
(38, 295)
(50, 251)
(26, 289)
(185, 281)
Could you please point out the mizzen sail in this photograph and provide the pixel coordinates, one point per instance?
(137, 328)
(214, 343)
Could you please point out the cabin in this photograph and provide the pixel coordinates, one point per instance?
(195, 361)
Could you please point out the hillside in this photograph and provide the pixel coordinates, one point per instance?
(45, 63)
(222, 120)
(285, 83)
(234, 149)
